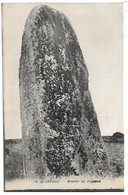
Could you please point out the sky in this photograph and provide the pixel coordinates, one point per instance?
(99, 29)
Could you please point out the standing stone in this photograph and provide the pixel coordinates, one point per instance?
(61, 135)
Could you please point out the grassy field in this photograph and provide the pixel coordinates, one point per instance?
(115, 153)
(14, 159)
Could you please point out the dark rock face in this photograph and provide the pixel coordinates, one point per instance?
(61, 134)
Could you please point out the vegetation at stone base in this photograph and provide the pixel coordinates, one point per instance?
(14, 156)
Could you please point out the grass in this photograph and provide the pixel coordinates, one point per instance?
(115, 153)
(14, 159)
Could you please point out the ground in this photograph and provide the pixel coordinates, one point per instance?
(14, 158)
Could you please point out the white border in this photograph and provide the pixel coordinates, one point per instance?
(1, 118)
(63, 1)
(125, 89)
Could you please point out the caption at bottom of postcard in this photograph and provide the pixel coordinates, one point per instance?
(67, 181)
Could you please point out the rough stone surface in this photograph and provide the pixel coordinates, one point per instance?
(61, 135)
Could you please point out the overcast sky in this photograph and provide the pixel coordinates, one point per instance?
(99, 29)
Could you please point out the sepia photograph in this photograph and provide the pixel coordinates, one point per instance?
(63, 97)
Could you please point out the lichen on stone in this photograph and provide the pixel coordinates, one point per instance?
(61, 134)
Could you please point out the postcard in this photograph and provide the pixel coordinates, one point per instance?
(63, 96)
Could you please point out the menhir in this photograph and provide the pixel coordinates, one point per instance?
(61, 135)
